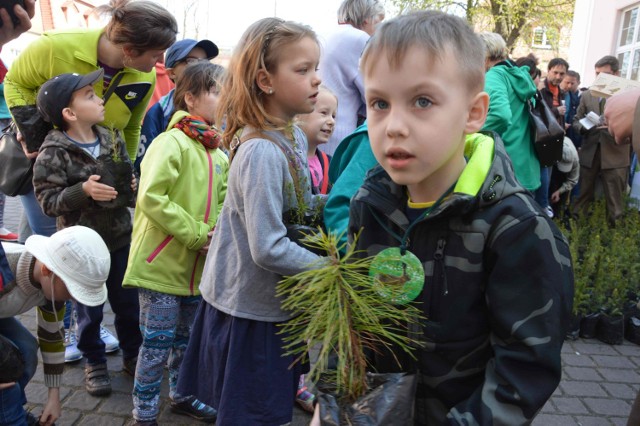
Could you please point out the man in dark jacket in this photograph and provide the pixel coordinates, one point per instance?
(551, 92)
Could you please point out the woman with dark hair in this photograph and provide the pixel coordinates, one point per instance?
(126, 49)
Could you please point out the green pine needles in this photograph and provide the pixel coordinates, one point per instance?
(340, 309)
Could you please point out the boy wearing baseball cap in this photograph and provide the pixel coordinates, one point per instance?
(46, 271)
(178, 56)
(68, 178)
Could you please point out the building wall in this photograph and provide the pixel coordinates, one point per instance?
(595, 33)
(525, 46)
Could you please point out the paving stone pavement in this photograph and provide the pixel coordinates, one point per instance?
(599, 383)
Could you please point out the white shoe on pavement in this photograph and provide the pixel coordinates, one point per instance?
(71, 351)
(111, 344)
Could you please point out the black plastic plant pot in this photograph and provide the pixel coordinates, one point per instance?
(632, 330)
(11, 361)
(588, 325)
(117, 174)
(297, 232)
(610, 329)
(574, 327)
(30, 123)
(389, 402)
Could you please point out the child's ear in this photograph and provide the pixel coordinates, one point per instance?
(45, 271)
(172, 74)
(263, 80)
(189, 99)
(478, 108)
(68, 114)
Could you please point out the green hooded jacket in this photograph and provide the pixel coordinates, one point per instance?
(182, 188)
(509, 88)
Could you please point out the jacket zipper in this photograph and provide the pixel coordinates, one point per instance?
(207, 212)
(439, 261)
(158, 249)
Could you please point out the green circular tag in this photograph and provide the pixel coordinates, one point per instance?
(398, 278)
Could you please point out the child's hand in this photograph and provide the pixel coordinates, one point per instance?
(98, 191)
(205, 249)
(134, 183)
(555, 197)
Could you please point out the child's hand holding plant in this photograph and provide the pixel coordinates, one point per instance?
(98, 191)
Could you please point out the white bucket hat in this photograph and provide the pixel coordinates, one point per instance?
(81, 259)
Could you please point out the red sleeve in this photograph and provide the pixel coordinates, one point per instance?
(3, 71)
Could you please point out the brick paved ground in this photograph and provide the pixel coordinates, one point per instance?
(598, 386)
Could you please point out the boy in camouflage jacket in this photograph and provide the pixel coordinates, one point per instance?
(68, 186)
(498, 281)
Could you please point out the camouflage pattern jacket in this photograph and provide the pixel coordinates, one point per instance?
(497, 296)
(58, 174)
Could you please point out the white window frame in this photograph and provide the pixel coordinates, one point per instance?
(633, 48)
(545, 42)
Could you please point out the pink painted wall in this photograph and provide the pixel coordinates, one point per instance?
(595, 33)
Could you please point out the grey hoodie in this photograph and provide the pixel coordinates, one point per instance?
(249, 252)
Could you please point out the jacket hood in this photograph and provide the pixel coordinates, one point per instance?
(176, 117)
(487, 178)
(518, 77)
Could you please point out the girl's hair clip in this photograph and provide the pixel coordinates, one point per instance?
(267, 38)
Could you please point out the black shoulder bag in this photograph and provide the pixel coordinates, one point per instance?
(547, 134)
(16, 170)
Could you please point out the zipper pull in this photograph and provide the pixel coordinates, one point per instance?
(439, 258)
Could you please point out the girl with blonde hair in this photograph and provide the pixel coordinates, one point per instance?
(234, 361)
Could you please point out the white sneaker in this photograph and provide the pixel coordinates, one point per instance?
(111, 344)
(549, 211)
(71, 351)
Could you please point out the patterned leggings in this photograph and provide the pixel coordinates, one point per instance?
(165, 324)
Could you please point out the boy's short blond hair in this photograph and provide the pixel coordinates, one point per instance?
(437, 33)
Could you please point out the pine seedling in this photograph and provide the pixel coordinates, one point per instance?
(341, 310)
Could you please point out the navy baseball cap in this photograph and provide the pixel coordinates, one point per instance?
(55, 94)
(180, 49)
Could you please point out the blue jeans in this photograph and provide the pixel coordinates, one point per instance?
(40, 223)
(12, 412)
(124, 303)
(541, 194)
